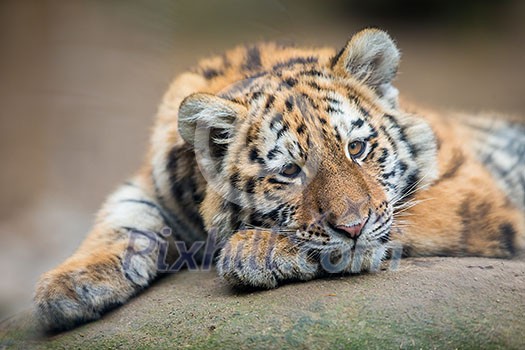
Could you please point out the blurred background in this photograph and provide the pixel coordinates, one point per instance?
(80, 82)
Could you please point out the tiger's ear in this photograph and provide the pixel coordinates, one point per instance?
(208, 118)
(371, 57)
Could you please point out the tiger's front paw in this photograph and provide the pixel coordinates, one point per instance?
(263, 259)
(78, 292)
(242, 272)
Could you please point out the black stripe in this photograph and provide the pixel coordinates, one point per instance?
(371, 153)
(290, 82)
(363, 111)
(402, 134)
(289, 104)
(254, 156)
(256, 219)
(389, 175)
(253, 58)
(274, 214)
(273, 152)
(250, 186)
(149, 234)
(210, 73)
(387, 184)
(389, 137)
(314, 85)
(508, 233)
(281, 132)
(234, 180)
(294, 61)
(332, 110)
(384, 155)
(302, 151)
(402, 167)
(235, 212)
(336, 133)
(453, 166)
(255, 95)
(333, 101)
(373, 134)
(166, 218)
(358, 123)
(410, 186)
(273, 180)
(278, 118)
(313, 72)
(333, 60)
(269, 102)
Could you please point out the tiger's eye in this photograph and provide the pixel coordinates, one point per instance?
(356, 149)
(291, 170)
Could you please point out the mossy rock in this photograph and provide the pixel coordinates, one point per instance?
(443, 303)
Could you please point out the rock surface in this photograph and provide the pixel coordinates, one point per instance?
(443, 303)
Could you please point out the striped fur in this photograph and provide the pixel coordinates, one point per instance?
(255, 146)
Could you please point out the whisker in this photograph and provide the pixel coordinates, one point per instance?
(414, 188)
(402, 214)
(410, 204)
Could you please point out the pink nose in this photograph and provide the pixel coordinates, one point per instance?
(353, 231)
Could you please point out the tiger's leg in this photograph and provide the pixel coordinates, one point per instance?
(459, 219)
(102, 273)
(263, 259)
(118, 258)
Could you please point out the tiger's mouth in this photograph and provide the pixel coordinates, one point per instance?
(323, 234)
(375, 229)
(380, 230)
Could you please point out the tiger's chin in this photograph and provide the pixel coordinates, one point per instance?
(354, 257)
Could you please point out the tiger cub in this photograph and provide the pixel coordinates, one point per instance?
(299, 163)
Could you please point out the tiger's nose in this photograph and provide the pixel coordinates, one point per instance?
(352, 231)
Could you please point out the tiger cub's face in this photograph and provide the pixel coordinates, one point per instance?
(312, 164)
(316, 151)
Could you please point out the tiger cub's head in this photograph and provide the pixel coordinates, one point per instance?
(315, 148)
